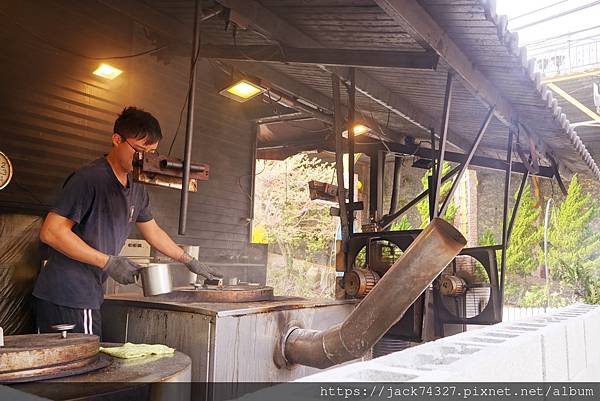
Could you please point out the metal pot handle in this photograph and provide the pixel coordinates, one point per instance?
(137, 278)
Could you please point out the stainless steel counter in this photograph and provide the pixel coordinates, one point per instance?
(278, 303)
(227, 342)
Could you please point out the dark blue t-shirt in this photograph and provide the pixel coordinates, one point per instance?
(104, 213)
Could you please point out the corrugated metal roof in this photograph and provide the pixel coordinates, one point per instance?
(483, 36)
(580, 88)
(472, 24)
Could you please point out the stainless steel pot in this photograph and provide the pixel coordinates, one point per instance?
(156, 279)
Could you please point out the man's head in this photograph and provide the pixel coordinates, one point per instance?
(134, 130)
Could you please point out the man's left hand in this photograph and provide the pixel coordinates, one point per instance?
(203, 269)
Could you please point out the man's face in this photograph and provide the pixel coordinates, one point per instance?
(126, 148)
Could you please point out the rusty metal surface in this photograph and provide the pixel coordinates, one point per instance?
(359, 282)
(228, 294)
(232, 348)
(36, 351)
(121, 375)
(74, 368)
(397, 290)
(222, 309)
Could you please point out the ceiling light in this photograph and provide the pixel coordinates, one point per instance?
(359, 129)
(107, 71)
(242, 90)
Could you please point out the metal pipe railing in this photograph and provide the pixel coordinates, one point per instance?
(387, 302)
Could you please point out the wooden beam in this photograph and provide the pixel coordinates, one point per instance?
(477, 161)
(321, 56)
(308, 140)
(410, 13)
(267, 23)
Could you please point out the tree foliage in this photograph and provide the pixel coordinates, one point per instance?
(423, 206)
(573, 252)
(524, 250)
(300, 230)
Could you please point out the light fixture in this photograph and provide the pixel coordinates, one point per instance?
(242, 90)
(359, 129)
(107, 71)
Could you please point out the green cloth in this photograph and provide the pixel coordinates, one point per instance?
(129, 350)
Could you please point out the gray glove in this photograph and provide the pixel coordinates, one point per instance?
(121, 269)
(203, 269)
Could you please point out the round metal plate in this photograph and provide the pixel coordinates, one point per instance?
(96, 362)
(6, 170)
(40, 351)
(226, 294)
(62, 327)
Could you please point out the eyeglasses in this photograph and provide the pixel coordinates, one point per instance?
(153, 151)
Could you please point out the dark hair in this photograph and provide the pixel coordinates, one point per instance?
(139, 124)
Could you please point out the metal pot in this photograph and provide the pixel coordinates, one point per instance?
(156, 279)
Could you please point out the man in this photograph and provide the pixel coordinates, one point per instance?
(89, 224)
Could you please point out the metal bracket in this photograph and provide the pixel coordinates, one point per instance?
(561, 184)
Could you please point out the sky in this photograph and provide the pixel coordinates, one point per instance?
(524, 12)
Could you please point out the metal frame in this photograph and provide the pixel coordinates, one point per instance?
(189, 129)
(516, 207)
(377, 160)
(505, 211)
(387, 221)
(443, 138)
(465, 164)
(434, 172)
(323, 56)
(339, 154)
(395, 185)
(351, 122)
(426, 153)
(561, 184)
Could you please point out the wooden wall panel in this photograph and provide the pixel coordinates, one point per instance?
(55, 116)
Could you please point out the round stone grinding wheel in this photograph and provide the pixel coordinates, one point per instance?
(31, 356)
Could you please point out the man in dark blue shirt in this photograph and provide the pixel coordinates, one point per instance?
(89, 224)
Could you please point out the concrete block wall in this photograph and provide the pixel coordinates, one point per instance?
(563, 345)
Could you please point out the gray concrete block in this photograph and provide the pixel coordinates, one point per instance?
(560, 346)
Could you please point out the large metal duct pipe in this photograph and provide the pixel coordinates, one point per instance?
(387, 302)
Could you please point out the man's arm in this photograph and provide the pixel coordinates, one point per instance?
(56, 232)
(161, 241)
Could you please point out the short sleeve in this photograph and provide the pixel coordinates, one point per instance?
(145, 213)
(75, 198)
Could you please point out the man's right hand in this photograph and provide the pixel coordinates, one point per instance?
(121, 269)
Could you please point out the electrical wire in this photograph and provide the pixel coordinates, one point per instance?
(539, 9)
(540, 41)
(179, 122)
(187, 96)
(552, 17)
(565, 45)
